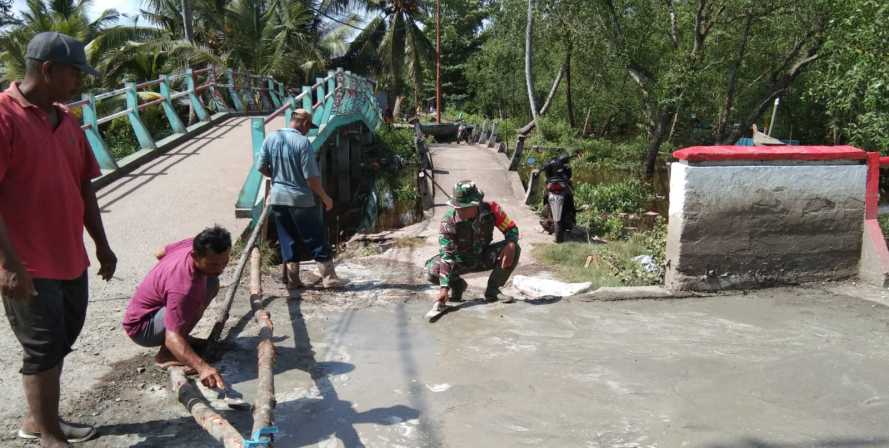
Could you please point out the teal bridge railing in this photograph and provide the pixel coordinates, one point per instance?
(340, 99)
(212, 94)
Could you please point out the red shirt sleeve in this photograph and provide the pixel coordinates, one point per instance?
(5, 148)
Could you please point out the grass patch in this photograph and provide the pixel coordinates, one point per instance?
(610, 264)
(884, 224)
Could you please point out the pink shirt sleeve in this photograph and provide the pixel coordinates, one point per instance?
(175, 316)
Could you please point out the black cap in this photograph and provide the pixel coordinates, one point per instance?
(61, 49)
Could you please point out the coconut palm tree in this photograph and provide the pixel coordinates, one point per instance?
(392, 44)
(69, 17)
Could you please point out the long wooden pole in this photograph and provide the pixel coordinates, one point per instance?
(438, 61)
(264, 402)
(222, 317)
(191, 397)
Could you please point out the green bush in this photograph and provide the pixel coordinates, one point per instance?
(602, 224)
(397, 141)
(622, 197)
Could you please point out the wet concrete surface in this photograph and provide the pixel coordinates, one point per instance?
(777, 368)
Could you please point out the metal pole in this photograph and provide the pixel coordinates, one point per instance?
(438, 61)
(774, 112)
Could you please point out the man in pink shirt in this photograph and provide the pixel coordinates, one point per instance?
(173, 296)
(46, 200)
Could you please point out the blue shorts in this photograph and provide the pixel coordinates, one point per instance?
(301, 225)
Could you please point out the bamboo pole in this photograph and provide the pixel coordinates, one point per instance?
(191, 397)
(222, 317)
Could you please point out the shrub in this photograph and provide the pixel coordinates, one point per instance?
(621, 197)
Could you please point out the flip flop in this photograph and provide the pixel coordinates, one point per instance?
(74, 433)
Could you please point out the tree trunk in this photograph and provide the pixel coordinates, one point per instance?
(568, 97)
(188, 21)
(529, 54)
(549, 98)
(396, 109)
(726, 112)
(656, 137)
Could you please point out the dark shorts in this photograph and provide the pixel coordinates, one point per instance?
(48, 324)
(301, 225)
(154, 331)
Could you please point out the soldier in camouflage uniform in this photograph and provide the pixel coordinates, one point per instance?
(466, 232)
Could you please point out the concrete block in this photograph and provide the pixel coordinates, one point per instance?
(743, 226)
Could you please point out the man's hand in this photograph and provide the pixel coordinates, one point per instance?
(107, 262)
(328, 202)
(507, 256)
(443, 294)
(211, 378)
(16, 283)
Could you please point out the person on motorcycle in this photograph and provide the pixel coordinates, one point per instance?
(465, 236)
(558, 171)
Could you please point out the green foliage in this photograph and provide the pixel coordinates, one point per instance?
(628, 196)
(853, 80)
(396, 141)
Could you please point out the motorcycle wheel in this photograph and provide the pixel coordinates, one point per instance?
(558, 232)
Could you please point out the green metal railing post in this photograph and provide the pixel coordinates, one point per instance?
(193, 95)
(331, 90)
(276, 101)
(172, 117)
(233, 91)
(288, 114)
(318, 114)
(142, 133)
(93, 136)
(307, 98)
(282, 93)
(247, 198)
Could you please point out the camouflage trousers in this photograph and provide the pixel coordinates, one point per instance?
(487, 262)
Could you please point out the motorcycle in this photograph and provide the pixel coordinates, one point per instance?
(558, 199)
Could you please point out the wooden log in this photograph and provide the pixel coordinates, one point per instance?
(264, 403)
(191, 397)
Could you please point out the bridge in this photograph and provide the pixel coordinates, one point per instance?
(359, 367)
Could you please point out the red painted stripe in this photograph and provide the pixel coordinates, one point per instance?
(872, 195)
(872, 228)
(717, 153)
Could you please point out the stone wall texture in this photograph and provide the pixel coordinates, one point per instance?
(747, 226)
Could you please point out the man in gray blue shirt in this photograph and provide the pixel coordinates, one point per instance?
(288, 159)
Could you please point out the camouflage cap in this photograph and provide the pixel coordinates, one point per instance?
(466, 194)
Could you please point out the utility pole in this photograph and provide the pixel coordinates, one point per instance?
(438, 61)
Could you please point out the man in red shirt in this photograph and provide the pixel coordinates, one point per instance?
(46, 200)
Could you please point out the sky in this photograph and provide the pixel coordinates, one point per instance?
(130, 7)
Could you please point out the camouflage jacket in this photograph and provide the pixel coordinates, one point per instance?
(462, 242)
